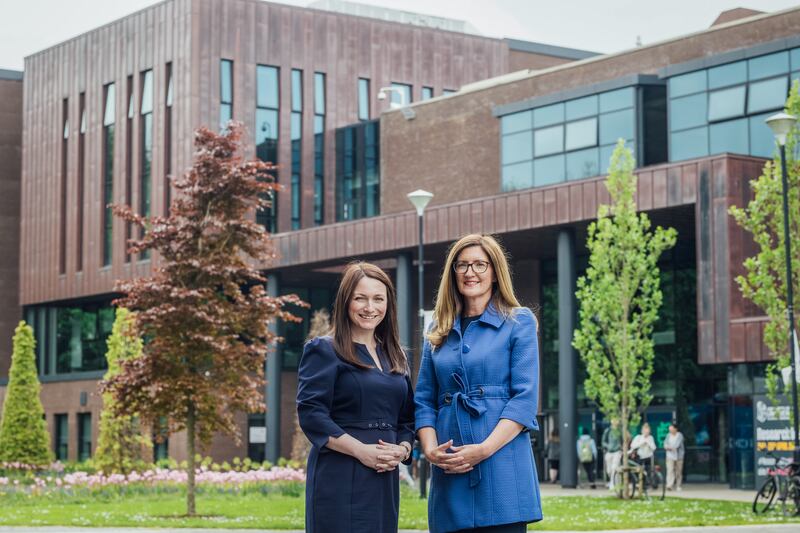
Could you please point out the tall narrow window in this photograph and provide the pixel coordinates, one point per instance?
(297, 143)
(363, 99)
(109, 119)
(84, 436)
(62, 245)
(266, 132)
(61, 442)
(168, 142)
(146, 148)
(81, 180)
(129, 162)
(225, 92)
(319, 147)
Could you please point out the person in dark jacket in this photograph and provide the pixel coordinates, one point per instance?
(355, 404)
(476, 396)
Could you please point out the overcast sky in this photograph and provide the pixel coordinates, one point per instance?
(27, 26)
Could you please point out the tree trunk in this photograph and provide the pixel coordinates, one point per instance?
(190, 432)
(626, 494)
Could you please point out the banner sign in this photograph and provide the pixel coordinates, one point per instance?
(773, 434)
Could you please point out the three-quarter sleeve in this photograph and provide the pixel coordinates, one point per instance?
(427, 393)
(524, 385)
(316, 377)
(405, 419)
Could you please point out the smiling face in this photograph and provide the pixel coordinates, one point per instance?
(471, 284)
(367, 306)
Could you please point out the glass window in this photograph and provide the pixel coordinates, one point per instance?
(403, 89)
(266, 134)
(762, 142)
(296, 126)
(617, 125)
(109, 113)
(688, 144)
(84, 436)
(549, 140)
(619, 99)
(427, 93)
(319, 93)
(767, 94)
(544, 116)
(226, 81)
(81, 334)
(516, 122)
(62, 437)
(581, 134)
(727, 103)
(768, 66)
(358, 171)
(147, 92)
(693, 82)
(726, 75)
(688, 111)
(267, 86)
(518, 176)
(583, 164)
(297, 90)
(363, 99)
(582, 107)
(795, 59)
(168, 100)
(729, 136)
(547, 170)
(608, 150)
(446, 92)
(517, 147)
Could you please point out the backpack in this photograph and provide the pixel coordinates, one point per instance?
(585, 454)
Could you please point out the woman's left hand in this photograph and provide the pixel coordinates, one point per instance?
(393, 455)
(470, 454)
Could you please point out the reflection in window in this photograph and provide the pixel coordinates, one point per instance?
(225, 92)
(84, 436)
(726, 103)
(402, 94)
(319, 147)
(766, 95)
(363, 99)
(61, 442)
(517, 147)
(583, 164)
(549, 140)
(358, 171)
(62, 237)
(81, 334)
(517, 176)
(297, 143)
(266, 134)
(581, 134)
(146, 147)
(730, 136)
(427, 93)
(109, 119)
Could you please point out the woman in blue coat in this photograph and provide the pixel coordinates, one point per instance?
(477, 394)
(355, 404)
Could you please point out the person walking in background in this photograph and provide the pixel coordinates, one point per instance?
(553, 452)
(355, 404)
(673, 444)
(476, 396)
(643, 446)
(587, 454)
(611, 443)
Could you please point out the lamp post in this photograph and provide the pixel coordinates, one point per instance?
(781, 124)
(420, 199)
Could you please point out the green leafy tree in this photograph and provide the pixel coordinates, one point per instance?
(204, 312)
(619, 300)
(121, 446)
(764, 281)
(23, 432)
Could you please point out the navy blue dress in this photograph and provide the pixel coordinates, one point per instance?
(333, 398)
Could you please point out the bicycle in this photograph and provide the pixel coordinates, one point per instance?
(783, 481)
(640, 480)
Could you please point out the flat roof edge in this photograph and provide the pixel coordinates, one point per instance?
(14, 75)
(548, 49)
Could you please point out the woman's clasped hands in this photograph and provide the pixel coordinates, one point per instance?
(460, 460)
(382, 457)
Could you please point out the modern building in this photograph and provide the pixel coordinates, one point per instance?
(521, 156)
(107, 116)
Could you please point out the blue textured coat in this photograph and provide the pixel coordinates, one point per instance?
(465, 387)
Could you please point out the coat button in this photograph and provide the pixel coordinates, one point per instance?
(465, 349)
(448, 398)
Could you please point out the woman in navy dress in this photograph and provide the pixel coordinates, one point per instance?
(355, 404)
(476, 396)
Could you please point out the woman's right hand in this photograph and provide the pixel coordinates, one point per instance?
(377, 458)
(438, 455)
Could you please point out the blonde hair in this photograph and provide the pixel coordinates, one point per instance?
(449, 302)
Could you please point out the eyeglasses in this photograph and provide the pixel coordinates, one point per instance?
(479, 267)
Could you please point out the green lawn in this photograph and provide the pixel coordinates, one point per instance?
(253, 510)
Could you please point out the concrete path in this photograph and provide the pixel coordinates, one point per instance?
(706, 491)
(728, 529)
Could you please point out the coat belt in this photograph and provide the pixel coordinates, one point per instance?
(466, 406)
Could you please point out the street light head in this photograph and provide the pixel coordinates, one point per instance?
(781, 124)
(381, 95)
(420, 199)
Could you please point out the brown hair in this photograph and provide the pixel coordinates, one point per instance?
(449, 301)
(387, 331)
